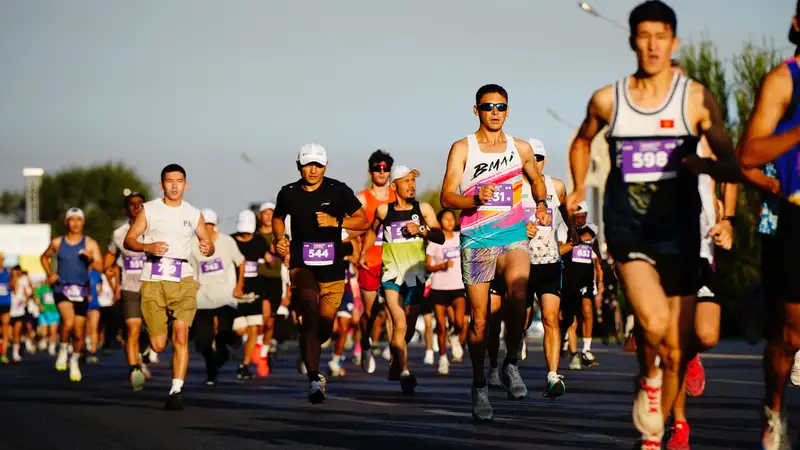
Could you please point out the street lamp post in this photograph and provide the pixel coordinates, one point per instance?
(33, 180)
(586, 7)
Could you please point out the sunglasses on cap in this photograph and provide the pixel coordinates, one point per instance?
(486, 107)
(539, 158)
(381, 168)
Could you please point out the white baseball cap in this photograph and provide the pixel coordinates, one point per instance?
(401, 171)
(246, 222)
(583, 208)
(265, 206)
(74, 212)
(209, 216)
(538, 147)
(312, 153)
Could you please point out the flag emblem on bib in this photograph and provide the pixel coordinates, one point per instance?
(667, 123)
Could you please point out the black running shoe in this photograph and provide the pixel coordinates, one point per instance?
(588, 359)
(174, 402)
(243, 372)
(554, 389)
(408, 383)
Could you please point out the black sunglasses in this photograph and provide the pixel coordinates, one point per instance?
(539, 158)
(486, 107)
(381, 169)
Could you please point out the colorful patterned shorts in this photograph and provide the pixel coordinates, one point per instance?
(479, 265)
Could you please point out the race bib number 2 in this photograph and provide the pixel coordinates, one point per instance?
(318, 253)
(167, 269)
(650, 161)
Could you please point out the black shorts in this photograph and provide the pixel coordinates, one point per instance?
(5, 309)
(80, 308)
(253, 308)
(708, 283)
(770, 267)
(272, 291)
(21, 319)
(544, 279)
(498, 286)
(680, 273)
(445, 297)
(787, 251)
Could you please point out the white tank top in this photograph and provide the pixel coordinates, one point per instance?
(175, 226)
(543, 248)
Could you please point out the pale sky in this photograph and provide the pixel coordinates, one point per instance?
(199, 82)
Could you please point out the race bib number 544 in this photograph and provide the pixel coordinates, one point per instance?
(318, 253)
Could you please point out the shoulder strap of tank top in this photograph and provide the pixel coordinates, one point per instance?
(472, 143)
(684, 85)
(83, 241)
(794, 70)
(510, 144)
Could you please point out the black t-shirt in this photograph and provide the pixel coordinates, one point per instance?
(313, 247)
(253, 251)
(581, 273)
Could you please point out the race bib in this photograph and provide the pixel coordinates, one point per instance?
(48, 298)
(318, 253)
(250, 269)
(502, 199)
(379, 237)
(582, 254)
(134, 263)
(74, 292)
(167, 269)
(3, 289)
(649, 161)
(399, 231)
(211, 266)
(452, 253)
(530, 217)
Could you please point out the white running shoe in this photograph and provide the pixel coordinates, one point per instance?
(336, 369)
(444, 366)
(647, 416)
(30, 348)
(387, 353)
(51, 349)
(153, 357)
(42, 345)
(15, 354)
(367, 362)
(435, 344)
(301, 366)
(456, 349)
(61, 361)
(74, 371)
(494, 378)
(428, 361)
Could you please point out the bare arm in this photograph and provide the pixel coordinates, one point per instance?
(561, 190)
(598, 113)
(358, 221)
(730, 197)
(136, 230)
(531, 170)
(432, 267)
(711, 123)
(47, 257)
(434, 231)
(456, 160)
(206, 243)
(758, 145)
(356, 233)
(372, 233)
(94, 254)
(278, 227)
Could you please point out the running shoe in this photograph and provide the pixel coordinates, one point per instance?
(795, 377)
(61, 361)
(336, 369)
(554, 388)
(575, 364)
(494, 378)
(367, 361)
(243, 372)
(679, 436)
(696, 377)
(74, 372)
(316, 394)
(137, 380)
(513, 381)
(588, 359)
(775, 432)
(262, 367)
(481, 409)
(428, 360)
(647, 417)
(408, 382)
(444, 366)
(456, 348)
(174, 401)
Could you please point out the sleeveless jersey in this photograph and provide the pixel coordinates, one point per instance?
(543, 248)
(5, 287)
(500, 221)
(374, 254)
(175, 226)
(708, 214)
(72, 269)
(403, 255)
(651, 197)
(788, 165)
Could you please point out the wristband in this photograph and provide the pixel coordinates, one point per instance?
(477, 199)
(731, 219)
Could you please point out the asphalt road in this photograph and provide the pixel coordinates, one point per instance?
(41, 409)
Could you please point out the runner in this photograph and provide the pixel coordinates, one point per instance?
(76, 253)
(447, 288)
(7, 280)
(167, 227)
(405, 222)
(100, 293)
(269, 272)
(250, 288)
(217, 278)
(19, 304)
(49, 318)
(369, 279)
(652, 205)
(320, 207)
(773, 136)
(545, 277)
(487, 167)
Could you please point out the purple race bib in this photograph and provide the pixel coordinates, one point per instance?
(582, 254)
(250, 269)
(379, 237)
(74, 292)
(649, 161)
(451, 253)
(3, 289)
(134, 263)
(399, 232)
(530, 217)
(211, 266)
(167, 269)
(48, 298)
(318, 253)
(503, 198)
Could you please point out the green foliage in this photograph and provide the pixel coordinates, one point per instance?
(97, 190)
(12, 204)
(737, 86)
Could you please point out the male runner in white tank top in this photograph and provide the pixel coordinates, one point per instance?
(168, 226)
(652, 204)
(484, 180)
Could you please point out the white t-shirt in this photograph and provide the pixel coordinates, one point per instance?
(130, 263)
(19, 297)
(175, 226)
(105, 295)
(217, 274)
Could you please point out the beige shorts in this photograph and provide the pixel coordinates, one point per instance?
(330, 293)
(165, 300)
(248, 321)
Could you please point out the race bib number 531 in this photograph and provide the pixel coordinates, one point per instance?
(502, 199)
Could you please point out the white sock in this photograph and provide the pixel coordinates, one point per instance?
(265, 351)
(75, 358)
(177, 386)
(260, 339)
(64, 347)
(587, 344)
(552, 376)
(336, 358)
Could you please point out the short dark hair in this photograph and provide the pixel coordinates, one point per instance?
(794, 35)
(489, 89)
(379, 156)
(133, 195)
(653, 11)
(172, 168)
